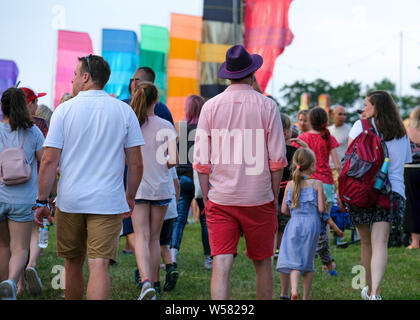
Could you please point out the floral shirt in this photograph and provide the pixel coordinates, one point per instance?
(322, 149)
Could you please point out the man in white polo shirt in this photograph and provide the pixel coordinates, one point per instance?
(89, 137)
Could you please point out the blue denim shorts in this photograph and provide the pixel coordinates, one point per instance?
(159, 203)
(16, 212)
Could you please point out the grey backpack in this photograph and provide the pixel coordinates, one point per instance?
(14, 166)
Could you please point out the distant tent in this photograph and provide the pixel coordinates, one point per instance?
(71, 46)
(120, 49)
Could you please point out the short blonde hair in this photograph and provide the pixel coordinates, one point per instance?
(415, 118)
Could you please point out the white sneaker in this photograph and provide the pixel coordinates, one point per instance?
(33, 282)
(147, 291)
(375, 298)
(365, 295)
(8, 290)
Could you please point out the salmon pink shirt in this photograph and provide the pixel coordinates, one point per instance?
(239, 142)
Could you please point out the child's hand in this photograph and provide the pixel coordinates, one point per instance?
(300, 142)
(339, 233)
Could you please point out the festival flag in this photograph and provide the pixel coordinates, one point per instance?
(218, 37)
(8, 74)
(267, 33)
(154, 50)
(183, 63)
(71, 46)
(120, 50)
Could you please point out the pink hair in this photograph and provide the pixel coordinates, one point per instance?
(193, 106)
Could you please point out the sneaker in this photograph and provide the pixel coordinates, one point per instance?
(375, 298)
(285, 298)
(365, 295)
(208, 263)
(157, 287)
(170, 280)
(147, 292)
(8, 290)
(33, 282)
(333, 273)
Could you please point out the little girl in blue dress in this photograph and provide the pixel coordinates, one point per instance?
(304, 199)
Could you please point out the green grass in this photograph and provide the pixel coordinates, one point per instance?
(401, 280)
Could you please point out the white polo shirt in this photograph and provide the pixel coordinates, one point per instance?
(92, 130)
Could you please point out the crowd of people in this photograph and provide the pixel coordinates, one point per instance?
(106, 169)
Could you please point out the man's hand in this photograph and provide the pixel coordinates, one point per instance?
(131, 203)
(40, 214)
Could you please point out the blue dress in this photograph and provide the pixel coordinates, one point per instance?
(300, 238)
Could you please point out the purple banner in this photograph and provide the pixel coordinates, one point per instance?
(8, 74)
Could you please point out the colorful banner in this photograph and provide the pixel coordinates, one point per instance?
(218, 37)
(120, 49)
(154, 50)
(267, 33)
(8, 74)
(183, 63)
(71, 46)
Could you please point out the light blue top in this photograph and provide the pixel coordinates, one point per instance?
(25, 193)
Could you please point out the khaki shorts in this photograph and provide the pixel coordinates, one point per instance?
(96, 235)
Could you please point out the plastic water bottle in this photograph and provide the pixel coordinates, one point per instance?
(43, 234)
(381, 176)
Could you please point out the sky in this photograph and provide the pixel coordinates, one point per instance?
(336, 40)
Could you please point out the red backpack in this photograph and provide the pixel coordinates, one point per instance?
(363, 159)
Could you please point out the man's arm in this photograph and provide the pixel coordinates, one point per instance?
(46, 179)
(205, 185)
(134, 174)
(276, 177)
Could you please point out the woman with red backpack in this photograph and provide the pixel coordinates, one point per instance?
(373, 222)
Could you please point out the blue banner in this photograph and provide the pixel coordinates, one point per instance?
(120, 49)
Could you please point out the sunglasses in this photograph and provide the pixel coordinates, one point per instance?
(88, 63)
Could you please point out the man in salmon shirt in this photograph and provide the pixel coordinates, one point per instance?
(240, 153)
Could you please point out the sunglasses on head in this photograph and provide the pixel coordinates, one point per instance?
(88, 63)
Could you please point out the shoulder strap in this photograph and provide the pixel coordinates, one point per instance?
(21, 144)
(366, 125)
(2, 142)
(23, 140)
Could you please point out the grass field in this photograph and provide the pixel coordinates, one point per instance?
(401, 282)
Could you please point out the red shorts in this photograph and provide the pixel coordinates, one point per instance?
(227, 223)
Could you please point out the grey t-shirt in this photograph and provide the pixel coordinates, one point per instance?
(25, 193)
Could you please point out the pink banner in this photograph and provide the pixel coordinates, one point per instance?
(267, 33)
(71, 46)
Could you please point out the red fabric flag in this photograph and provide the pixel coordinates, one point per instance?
(267, 33)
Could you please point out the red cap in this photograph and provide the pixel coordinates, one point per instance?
(31, 94)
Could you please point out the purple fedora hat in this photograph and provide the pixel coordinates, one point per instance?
(239, 63)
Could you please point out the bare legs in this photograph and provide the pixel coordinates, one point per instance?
(222, 265)
(374, 253)
(147, 224)
(307, 283)
(14, 248)
(415, 241)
